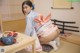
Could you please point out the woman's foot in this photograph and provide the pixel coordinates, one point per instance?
(54, 45)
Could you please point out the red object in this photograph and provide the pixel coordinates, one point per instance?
(13, 33)
(41, 20)
(1, 43)
(14, 41)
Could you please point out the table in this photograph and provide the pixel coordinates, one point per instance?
(22, 42)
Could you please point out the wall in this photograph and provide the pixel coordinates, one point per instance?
(11, 10)
(44, 7)
(11, 15)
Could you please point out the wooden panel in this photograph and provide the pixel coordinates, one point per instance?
(17, 25)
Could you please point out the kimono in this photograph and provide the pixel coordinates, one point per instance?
(30, 30)
(44, 28)
(38, 26)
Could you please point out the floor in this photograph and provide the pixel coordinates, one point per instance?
(65, 47)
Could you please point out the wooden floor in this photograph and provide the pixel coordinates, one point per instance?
(73, 38)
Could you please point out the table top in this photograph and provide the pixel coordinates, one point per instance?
(22, 40)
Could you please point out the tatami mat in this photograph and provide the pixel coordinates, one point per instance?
(65, 47)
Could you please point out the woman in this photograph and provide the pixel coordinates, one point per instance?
(34, 22)
(28, 10)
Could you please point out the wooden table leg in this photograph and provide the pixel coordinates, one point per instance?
(33, 47)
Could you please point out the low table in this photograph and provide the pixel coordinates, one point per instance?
(22, 42)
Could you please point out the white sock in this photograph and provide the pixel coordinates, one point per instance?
(58, 41)
(54, 45)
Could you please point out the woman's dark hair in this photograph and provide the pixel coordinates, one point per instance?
(29, 3)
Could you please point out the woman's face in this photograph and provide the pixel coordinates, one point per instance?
(26, 9)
